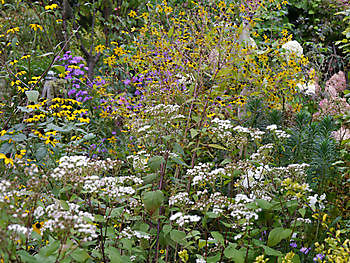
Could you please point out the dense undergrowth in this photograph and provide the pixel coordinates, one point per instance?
(195, 131)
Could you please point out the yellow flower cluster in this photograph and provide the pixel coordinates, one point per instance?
(334, 249)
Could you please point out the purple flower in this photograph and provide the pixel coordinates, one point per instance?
(78, 72)
(71, 92)
(305, 250)
(127, 81)
(318, 257)
(76, 59)
(293, 245)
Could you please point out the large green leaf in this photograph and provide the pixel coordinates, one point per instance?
(153, 200)
(178, 236)
(155, 162)
(80, 255)
(277, 234)
(237, 256)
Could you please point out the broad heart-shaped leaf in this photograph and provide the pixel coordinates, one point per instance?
(166, 229)
(263, 204)
(50, 248)
(218, 237)
(32, 95)
(277, 234)
(26, 257)
(271, 252)
(237, 256)
(61, 69)
(79, 255)
(155, 162)
(178, 236)
(153, 200)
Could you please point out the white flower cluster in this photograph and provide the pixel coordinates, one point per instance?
(111, 186)
(263, 155)
(241, 212)
(198, 172)
(19, 229)
(5, 194)
(280, 134)
(256, 134)
(293, 47)
(71, 168)
(73, 219)
(313, 200)
(162, 109)
(129, 233)
(182, 219)
(215, 201)
(180, 199)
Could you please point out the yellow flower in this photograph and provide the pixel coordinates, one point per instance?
(6, 158)
(87, 120)
(37, 227)
(20, 153)
(13, 62)
(35, 27)
(132, 13)
(51, 7)
(112, 139)
(51, 140)
(99, 48)
(13, 30)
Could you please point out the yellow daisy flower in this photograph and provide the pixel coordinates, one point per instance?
(37, 227)
(6, 158)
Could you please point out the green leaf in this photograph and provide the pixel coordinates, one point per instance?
(50, 249)
(153, 200)
(32, 95)
(194, 133)
(114, 255)
(214, 259)
(178, 236)
(116, 212)
(217, 146)
(60, 69)
(218, 237)
(19, 137)
(80, 255)
(237, 256)
(302, 211)
(64, 205)
(26, 257)
(179, 161)
(166, 229)
(201, 243)
(212, 215)
(178, 149)
(277, 234)
(41, 152)
(263, 204)
(271, 252)
(155, 162)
